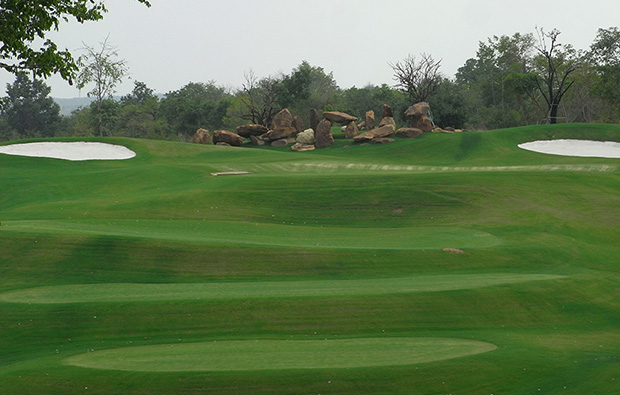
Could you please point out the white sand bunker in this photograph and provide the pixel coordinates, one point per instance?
(75, 151)
(584, 148)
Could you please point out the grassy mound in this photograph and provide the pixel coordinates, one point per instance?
(126, 258)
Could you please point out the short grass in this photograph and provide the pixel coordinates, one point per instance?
(253, 355)
(344, 243)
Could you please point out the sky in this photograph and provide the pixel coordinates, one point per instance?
(175, 42)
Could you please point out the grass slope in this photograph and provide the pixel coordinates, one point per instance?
(359, 217)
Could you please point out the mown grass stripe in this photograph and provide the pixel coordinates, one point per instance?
(280, 354)
(131, 292)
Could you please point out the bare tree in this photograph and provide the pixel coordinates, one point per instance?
(100, 67)
(419, 80)
(260, 99)
(555, 66)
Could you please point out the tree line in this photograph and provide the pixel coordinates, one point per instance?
(515, 80)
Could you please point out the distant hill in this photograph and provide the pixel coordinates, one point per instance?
(67, 106)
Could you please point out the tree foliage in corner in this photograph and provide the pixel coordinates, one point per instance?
(24, 23)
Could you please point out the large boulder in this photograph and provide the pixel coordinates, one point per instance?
(224, 136)
(257, 140)
(387, 111)
(387, 121)
(410, 133)
(417, 109)
(323, 135)
(306, 137)
(278, 134)
(369, 120)
(298, 124)
(339, 117)
(419, 114)
(351, 130)
(383, 131)
(283, 119)
(251, 130)
(202, 136)
(315, 118)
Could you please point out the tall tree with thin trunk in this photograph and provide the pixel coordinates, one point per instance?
(555, 65)
(101, 68)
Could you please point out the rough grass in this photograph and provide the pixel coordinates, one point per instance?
(130, 222)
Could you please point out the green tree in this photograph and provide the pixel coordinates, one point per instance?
(196, 105)
(604, 56)
(28, 109)
(499, 84)
(139, 115)
(25, 23)
(101, 68)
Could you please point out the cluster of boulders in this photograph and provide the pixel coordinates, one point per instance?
(287, 129)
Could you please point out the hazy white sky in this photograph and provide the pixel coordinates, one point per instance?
(179, 41)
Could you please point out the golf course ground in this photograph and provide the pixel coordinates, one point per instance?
(448, 264)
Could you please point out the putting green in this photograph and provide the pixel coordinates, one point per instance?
(284, 235)
(242, 355)
(132, 292)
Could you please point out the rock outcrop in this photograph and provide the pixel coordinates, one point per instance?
(202, 136)
(302, 147)
(381, 132)
(251, 130)
(410, 133)
(306, 137)
(351, 130)
(419, 114)
(224, 136)
(339, 117)
(323, 135)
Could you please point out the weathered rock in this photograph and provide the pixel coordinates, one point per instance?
(283, 119)
(351, 130)
(298, 124)
(361, 125)
(202, 136)
(257, 140)
(421, 108)
(419, 116)
(383, 131)
(387, 121)
(315, 118)
(410, 133)
(306, 137)
(323, 135)
(422, 122)
(387, 111)
(251, 130)
(223, 143)
(224, 136)
(339, 117)
(302, 147)
(381, 140)
(369, 122)
(278, 134)
(280, 143)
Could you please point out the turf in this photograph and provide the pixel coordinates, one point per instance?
(90, 293)
(344, 243)
(279, 354)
